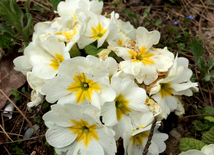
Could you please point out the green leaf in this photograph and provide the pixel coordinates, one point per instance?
(208, 137)
(45, 105)
(146, 12)
(47, 144)
(15, 92)
(55, 3)
(12, 14)
(6, 41)
(28, 30)
(208, 110)
(132, 15)
(200, 126)
(172, 1)
(38, 119)
(158, 22)
(210, 76)
(112, 54)
(6, 29)
(27, 6)
(197, 49)
(210, 64)
(209, 118)
(201, 63)
(92, 50)
(23, 90)
(207, 77)
(74, 51)
(190, 143)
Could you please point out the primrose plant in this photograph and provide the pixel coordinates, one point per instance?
(106, 78)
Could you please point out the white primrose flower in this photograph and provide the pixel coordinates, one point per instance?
(76, 83)
(22, 62)
(36, 84)
(66, 29)
(126, 32)
(71, 30)
(47, 57)
(129, 99)
(75, 129)
(134, 141)
(100, 29)
(177, 82)
(109, 65)
(206, 150)
(70, 7)
(141, 60)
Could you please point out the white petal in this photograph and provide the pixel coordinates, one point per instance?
(192, 152)
(58, 115)
(146, 38)
(183, 86)
(109, 114)
(94, 148)
(107, 140)
(153, 149)
(56, 88)
(159, 139)
(208, 149)
(60, 136)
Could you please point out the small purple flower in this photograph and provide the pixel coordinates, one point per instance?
(190, 17)
(175, 23)
(0, 54)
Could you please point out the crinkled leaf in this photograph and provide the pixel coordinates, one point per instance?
(197, 49)
(208, 110)
(209, 118)
(208, 137)
(200, 126)
(190, 143)
(74, 52)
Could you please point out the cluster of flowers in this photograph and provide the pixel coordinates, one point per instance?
(99, 99)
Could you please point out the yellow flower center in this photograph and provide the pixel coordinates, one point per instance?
(138, 138)
(69, 36)
(119, 41)
(98, 32)
(165, 90)
(55, 62)
(121, 106)
(85, 131)
(142, 56)
(74, 16)
(83, 87)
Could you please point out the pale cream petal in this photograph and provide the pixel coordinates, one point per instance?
(109, 114)
(146, 38)
(60, 136)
